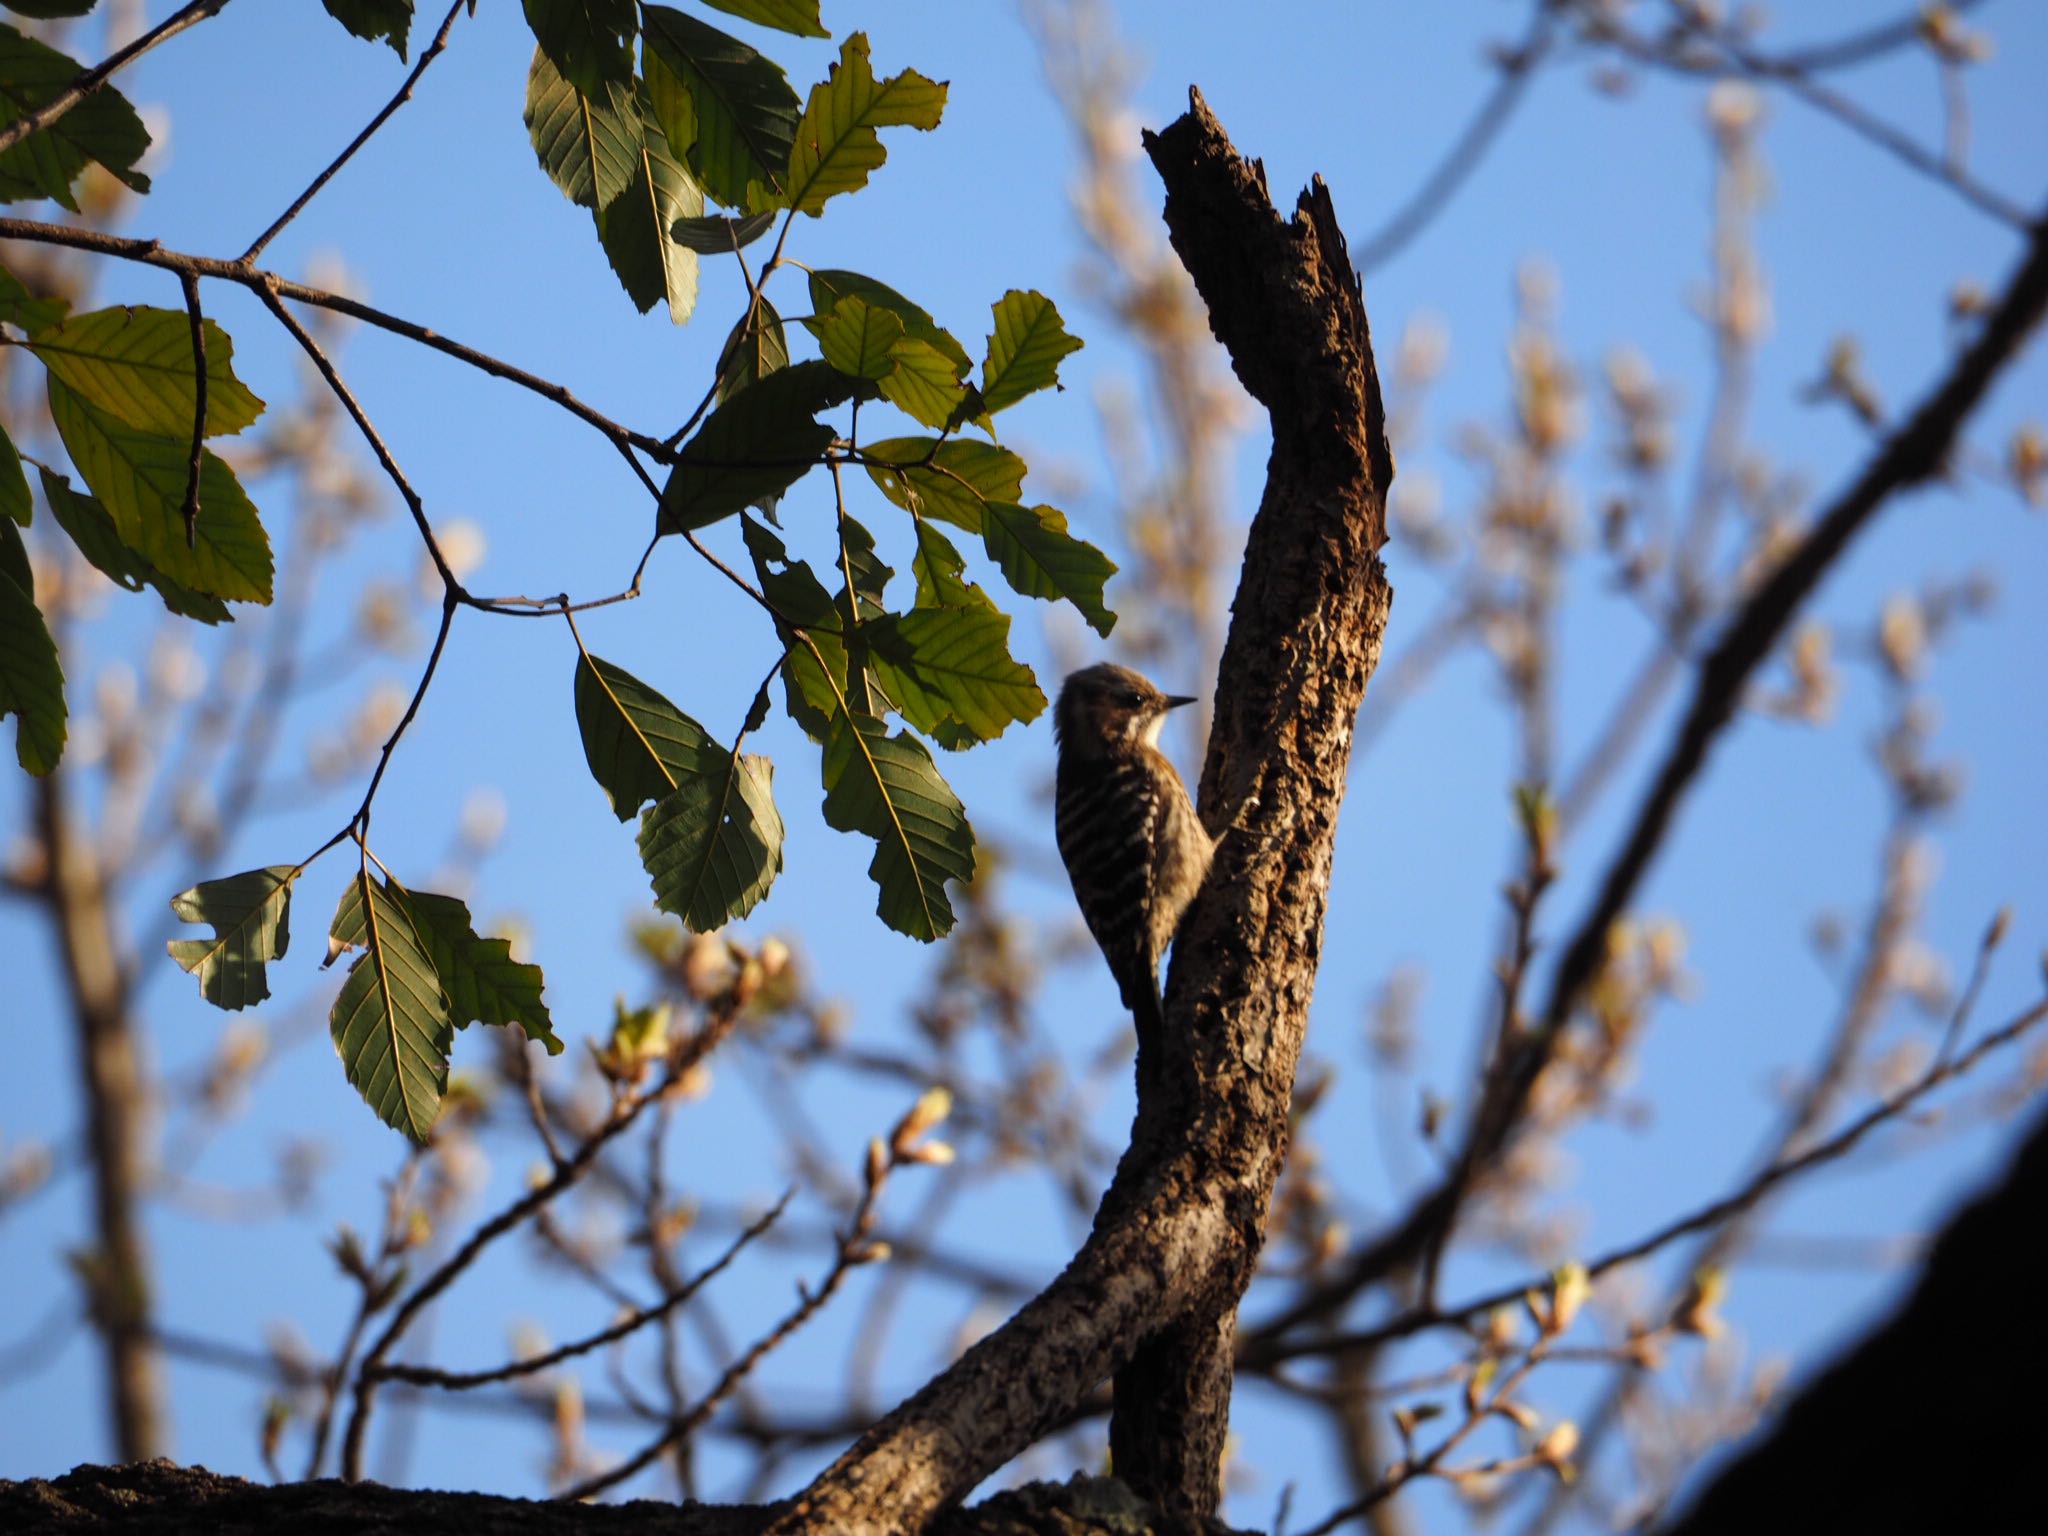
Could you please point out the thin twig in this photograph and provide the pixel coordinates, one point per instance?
(190, 511)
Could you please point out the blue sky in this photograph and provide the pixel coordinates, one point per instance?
(446, 219)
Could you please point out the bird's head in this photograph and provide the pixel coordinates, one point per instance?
(1106, 706)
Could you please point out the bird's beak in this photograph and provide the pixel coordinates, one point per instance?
(1175, 700)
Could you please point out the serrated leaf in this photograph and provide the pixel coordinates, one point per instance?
(811, 690)
(634, 228)
(799, 17)
(714, 847)
(714, 235)
(20, 307)
(102, 127)
(250, 915)
(589, 144)
(829, 285)
(952, 480)
(392, 1024)
(759, 443)
(1039, 558)
(135, 364)
(1024, 349)
(941, 573)
(589, 42)
(479, 977)
(871, 575)
(639, 746)
(953, 664)
(836, 143)
(31, 676)
(91, 528)
(746, 113)
(16, 505)
(887, 788)
(370, 20)
(856, 337)
(755, 349)
(141, 479)
(922, 385)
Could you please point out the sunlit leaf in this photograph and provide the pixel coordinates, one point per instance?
(952, 480)
(250, 915)
(829, 285)
(91, 528)
(142, 478)
(921, 384)
(374, 19)
(887, 788)
(855, 337)
(755, 349)
(31, 676)
(135, 364)
(588, 145)
(836, 144)
(760, 442)
(714, 847)
(102, 127)
(590, 42)
(796, 16)
(392, 1023)
(941, 572)
(634, 229)
(1039, 558)
(1024, 349)
(953, 664)
(746, 113)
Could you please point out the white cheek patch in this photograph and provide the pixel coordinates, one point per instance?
(1149, 732)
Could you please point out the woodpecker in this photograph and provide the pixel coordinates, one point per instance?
(1127, 831)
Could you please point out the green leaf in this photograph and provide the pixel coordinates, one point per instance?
(811, 691)
(391, 1023)
(870, 575)
(714, 847)
(372, 19)
(887, 788)
(51, 10)
(589, 42)
(20, 307)
(922, 384)
(760, 442)
(135, 364)
(103, 127)
(953, 664)
(1039, 558)
(588, 144)
(952, 481)
(250, 915)
(31, 676)
(15, 502)
(716, 236)
(640, 747)
(14, 561)
(746, 114)
(941, 573)
(1024, 350)
(142, 480)
(795, 16)
(481, 980)
(755, 349)
(856, 338)
(836, 143)
(91, 527)
(830, 285)
(634, 229)
(668, 103)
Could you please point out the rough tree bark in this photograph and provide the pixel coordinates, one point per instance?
(1152, 1296)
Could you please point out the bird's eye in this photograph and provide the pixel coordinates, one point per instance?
(1131, 699)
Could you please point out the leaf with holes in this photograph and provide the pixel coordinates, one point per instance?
(135, 364)
(392, 1023)
(836, 144)
(758, 444)
(746, 113)
(250, 915)
(953, 481)
(941, 572)
(1039, 558)
(141, 478)
(588, 145)
(887, 788)
(1024, 350)
(953, 665)
(714, 847)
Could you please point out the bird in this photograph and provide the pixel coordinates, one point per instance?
(1134, 848)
